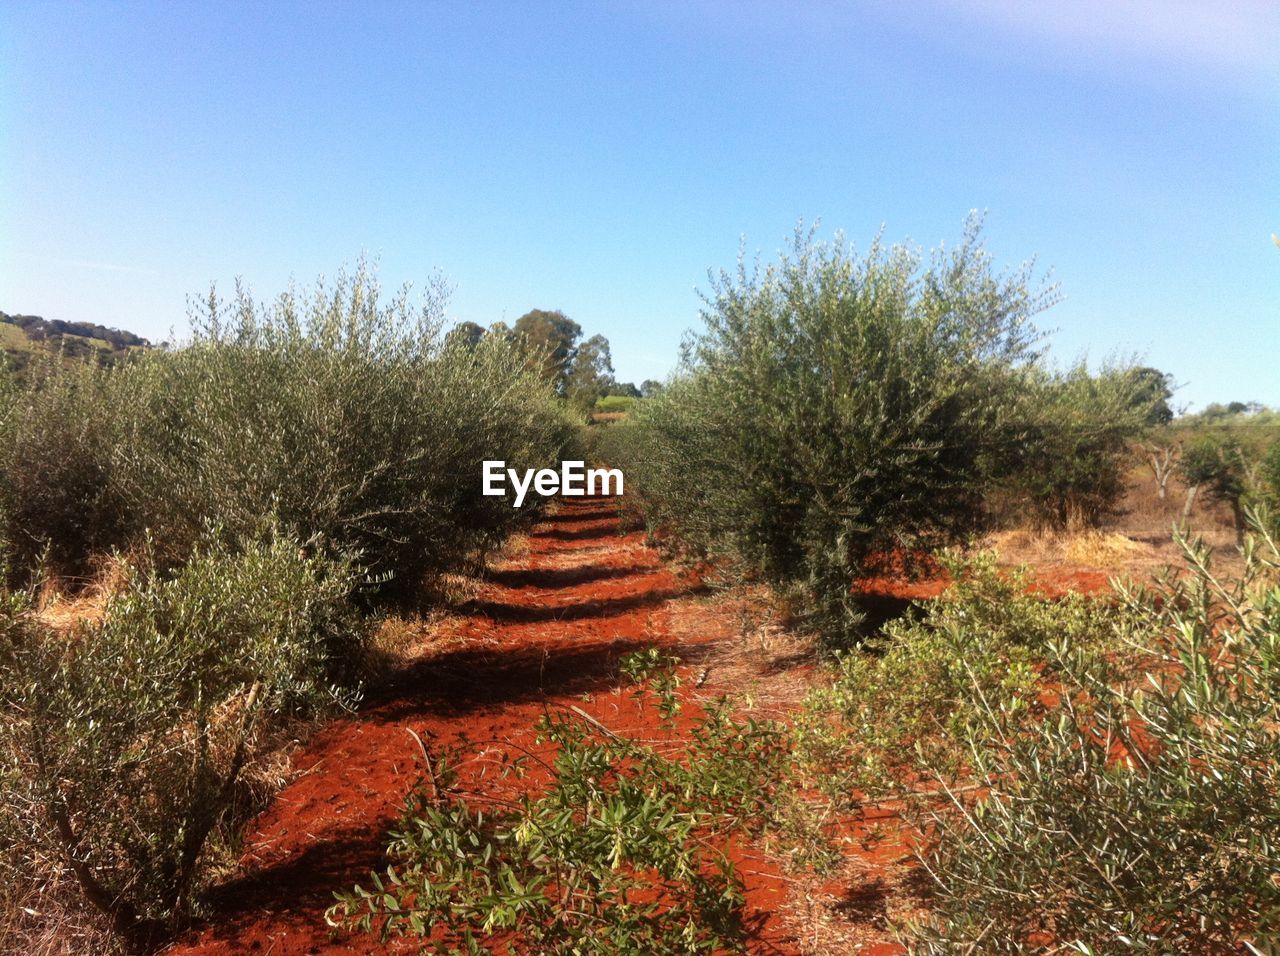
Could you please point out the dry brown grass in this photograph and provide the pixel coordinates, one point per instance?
(48, 918)
(1137, 542)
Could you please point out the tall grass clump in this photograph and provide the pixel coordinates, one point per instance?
(1135, 814)
(124, 742)
(836, 406)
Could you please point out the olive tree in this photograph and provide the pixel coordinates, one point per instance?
(838, 405)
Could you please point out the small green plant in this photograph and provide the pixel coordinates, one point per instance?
(1138, 813)
(122, 744)
(898, 710)
(615, 850)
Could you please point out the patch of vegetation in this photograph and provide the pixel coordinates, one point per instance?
(347, 417)
(1092, 776)
(1074, 453)
(616, 403)
(837, 406)
(897, 712)
(1135, 814)
(123, 744)
(619, 848)
(58, 442)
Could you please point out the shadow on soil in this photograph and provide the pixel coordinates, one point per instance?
(554, 578)
(285, 898)
(596, 608)
(603, 529)
(470, 680)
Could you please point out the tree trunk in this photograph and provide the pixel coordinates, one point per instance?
(1191, 500)
(1237, 515)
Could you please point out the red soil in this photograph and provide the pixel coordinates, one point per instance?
(547, 629)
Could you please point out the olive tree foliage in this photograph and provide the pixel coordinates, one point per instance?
(346, 414)
(838, 405)
(1271, 471)
(1137, 813)
(57, 436)
(1076, 447)
(123, 743)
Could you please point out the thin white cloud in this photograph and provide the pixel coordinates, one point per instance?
(1241, 37)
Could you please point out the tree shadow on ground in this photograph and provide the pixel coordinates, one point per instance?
(594, 608)
(554, 578)
(471, 680)
(604, 530)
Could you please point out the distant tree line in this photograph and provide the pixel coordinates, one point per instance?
(580, 370)
(71, 339)
(40, 329)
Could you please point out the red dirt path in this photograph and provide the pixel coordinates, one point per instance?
(547, 629)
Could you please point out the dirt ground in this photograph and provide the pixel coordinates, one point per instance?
(546, 628)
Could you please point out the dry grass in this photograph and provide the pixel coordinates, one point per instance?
(48, 918)
(1136, 542)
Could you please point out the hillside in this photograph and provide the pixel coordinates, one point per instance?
(24, 336)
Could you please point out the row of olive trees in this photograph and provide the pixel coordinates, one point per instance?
(347, 417)
(258, 485)
(1237, 467)
(838, 407)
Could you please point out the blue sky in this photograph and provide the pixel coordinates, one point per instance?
(601, 157)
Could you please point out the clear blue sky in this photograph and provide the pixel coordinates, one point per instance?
(599, 157)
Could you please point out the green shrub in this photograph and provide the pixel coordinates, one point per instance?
(1217, 464)
(616, 853)
(838, 406)
(56, 468)
(122, 743)
(1075, 451)
(1136, 814)
(898, 710)
(346, 416)
(1269, 483)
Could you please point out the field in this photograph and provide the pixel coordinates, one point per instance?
(893, 645)
(544, 630)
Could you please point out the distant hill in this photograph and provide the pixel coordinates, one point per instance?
(24, 336)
